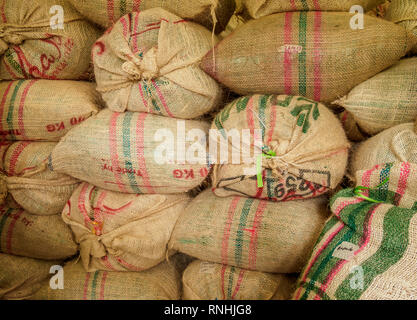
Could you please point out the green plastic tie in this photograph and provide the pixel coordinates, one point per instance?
(357, 191)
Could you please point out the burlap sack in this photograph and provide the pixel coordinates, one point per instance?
(312, 54)
(385, 100)
(31, 182)
(119, 152)
(21, 278)
(204, 12)
(122, 232)
(310, 145)
(404, 13)
(159, 283)
(32, 236)
(367, 250)
(259, 8)
(398, 144)
(211, 281)
(249, 233)
(149, 62)
(44, 109)
(33, 44)
(353, 131)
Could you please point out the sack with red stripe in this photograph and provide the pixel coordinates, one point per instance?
(22, 277)
(259, 8)
(367, 249)
(135, 152)
(159, 283)
(249, 233)
(44, 109)
(211, 281)
(122, 232)
(30, 181)
(41, 237)
(148, 62)
(308, 146)
(318, 55)
(45, 39)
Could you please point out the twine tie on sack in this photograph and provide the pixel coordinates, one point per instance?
(357, 191)
(8, 37)
(91, 245)
(142, 69)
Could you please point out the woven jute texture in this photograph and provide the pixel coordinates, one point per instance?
(159, 283)
(45, 39)
(309, 142)
(317, 55)
(122, 232)
(31, 182)
(149, 62)
(367, 250)
(352, 129)
(119, 152)
(22, 277)
(44, 109)
(249, 233)
(385, 100)
(211, 281)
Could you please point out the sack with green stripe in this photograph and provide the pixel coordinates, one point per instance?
(211, 281)
(249, 233)
(159, 283)
(366, 251)
(31, 182)
(204, 12)
(259, 8)
(122, 232)
(21, 277)
(41, 237)
(135, 152)
(317, 55)
(44, 110)
(45, 39)
(303, 154)
(385, 100)
(148, 62)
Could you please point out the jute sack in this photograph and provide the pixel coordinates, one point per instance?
(317, 55)
(45, 39)
(249, 233)
(134, 153)
(353, 131)
(204, 12)
(398, 144)
(122, 232)
(20, 277)
(31, 182)
(404, 13)
(385, 100)
(211, 281)
(367, 250)
(44, 109)
(310, 148)
(149, 62)
(42, 237)
(259, 8)
(159, 283)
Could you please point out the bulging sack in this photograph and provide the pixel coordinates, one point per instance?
(204, 12)
(211, 281)
(249, 233)
(122, 232)
(22, 277)
(135, 153)
(159, 283)
(317, 55)
(367, 250)
(149, 62)
(308, 141)
(31, 182)
(41, 237)
(45, 39)
(385, 100)
(44, 109)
